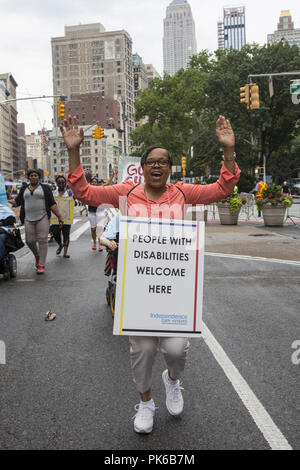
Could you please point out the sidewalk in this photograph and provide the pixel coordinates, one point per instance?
(252, 238)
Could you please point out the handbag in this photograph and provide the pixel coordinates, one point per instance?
(14, 240)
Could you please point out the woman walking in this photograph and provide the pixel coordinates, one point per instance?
(61, 233)
(37, 202)
(158, 199)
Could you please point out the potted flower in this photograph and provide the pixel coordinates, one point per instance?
(273, 205)
(230, 207)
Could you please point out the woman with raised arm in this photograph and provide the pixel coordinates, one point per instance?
(160, 199)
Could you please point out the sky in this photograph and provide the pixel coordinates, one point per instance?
(26, 28)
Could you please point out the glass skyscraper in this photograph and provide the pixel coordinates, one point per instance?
(179, 42)
(234, 28)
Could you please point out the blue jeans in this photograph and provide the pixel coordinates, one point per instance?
(2, 244)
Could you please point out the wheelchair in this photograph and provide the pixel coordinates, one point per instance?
(8, 265)
(111, 271)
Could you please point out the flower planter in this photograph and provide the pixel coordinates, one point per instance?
(273, 215)
(226, 216)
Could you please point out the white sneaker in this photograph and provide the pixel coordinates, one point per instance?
(174, 399)
(143, 420)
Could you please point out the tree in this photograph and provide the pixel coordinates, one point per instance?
(168, 105)
(182, 110)
(260, 132)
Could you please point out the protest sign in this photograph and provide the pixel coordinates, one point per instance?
(66, 207)
(129, 169)
(160, 277)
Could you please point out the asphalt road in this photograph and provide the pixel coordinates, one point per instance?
(67, 384)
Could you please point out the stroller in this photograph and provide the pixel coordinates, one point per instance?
(110, 270)
(8, 264)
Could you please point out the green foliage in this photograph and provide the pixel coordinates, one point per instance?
(235, 201)
(181, 111)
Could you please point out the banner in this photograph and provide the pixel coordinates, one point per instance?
(66, 207)
(3, 197)
(159, 278)
(129, 168)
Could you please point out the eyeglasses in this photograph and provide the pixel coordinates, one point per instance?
(161, 162)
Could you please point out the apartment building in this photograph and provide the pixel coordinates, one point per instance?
(88, 59)
(286, 31)
(9, 164)
(140, 78)
(151, 72)
(98, 156)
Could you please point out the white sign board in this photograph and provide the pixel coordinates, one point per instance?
(130, 169)
(160, 278)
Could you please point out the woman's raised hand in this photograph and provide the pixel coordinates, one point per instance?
(71, 134)
(224, 132)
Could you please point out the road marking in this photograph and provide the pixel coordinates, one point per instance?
(75, 235)
(262, 419)
(254, 258)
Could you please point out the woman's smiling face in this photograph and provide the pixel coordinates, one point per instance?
(157, 168)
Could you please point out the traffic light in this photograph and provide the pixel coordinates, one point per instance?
(61, 110)
(245, 95)
(259, 170)
(183, 163)
(98, 133)
(101, 133)
(254, 96)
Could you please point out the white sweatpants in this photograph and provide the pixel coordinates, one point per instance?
(143, 350)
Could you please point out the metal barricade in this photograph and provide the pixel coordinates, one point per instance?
(249, 209)
(293, 212)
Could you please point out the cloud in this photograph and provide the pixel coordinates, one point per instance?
(27, 27)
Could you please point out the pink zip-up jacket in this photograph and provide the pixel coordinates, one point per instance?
(170, 205)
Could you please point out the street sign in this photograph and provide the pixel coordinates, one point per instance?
(295, 91)
(295, 87)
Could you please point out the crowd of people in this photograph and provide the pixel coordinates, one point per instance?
(36, 201)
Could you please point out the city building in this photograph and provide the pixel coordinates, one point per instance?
(179, 41)
(91, 108)
(221, 44)
(89, 59)
(140, 79)
(22, 150)
(286, 31)
(98, 156)
(9, 163)
(232, 31)
(34, 151)
(151, 72)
